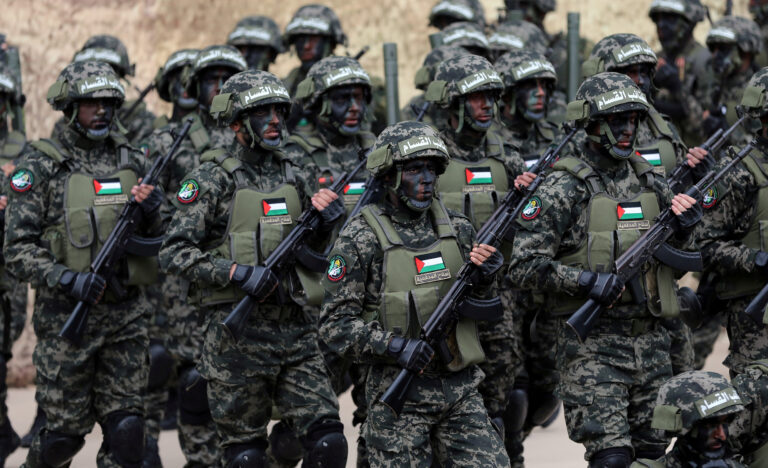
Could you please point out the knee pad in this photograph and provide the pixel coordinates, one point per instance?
(160, 366)
(614, 457)
(193, 398)
(325, 445)
(58, 449)
(124, 438)
(542, 406)
(250, 455)
(284, 444)
(516, 411)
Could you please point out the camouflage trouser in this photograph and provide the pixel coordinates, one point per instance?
(681, 345)
(609, 383)
(748, 340)
(501, 359)
(11, 326)
(274, 362)
(704, 339)
(156, 398)
(444, 419)
(80, 385)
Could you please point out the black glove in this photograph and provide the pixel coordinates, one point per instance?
(761, 262)
(492, 265)
(688, 218)
(331, 214)
(604, 288)
(152, 203)
(703, 167)
(87, 287)
(256, 281)
(668, 77)
(714, 122)
(413, 355)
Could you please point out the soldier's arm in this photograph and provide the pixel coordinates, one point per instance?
(353, 279)
(467, 236)
(514, 163)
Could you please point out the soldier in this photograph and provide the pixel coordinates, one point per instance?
(734, 42)
(314, 32)
(367, 316)
(468, 36)
(447, 12)
(696, 407)
(564, 246)
(59, 190)
(258, 39)
(169, 84)
(681, 68)
(243, 193)
(731, 238)
(425, 75)
(104, 48)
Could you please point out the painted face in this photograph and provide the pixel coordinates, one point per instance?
(267, 123)
(310, 48)
(348, 104)
(257, 57)
(671, 29)
(94, 116)
(178, 93)
(417, 184)
(707, 439)
(641, 75)
(479, 108)
(531, 98)
(211, 81)
(623, 126)
(724, 58)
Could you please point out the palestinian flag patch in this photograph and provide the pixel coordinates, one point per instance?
(532, 209)
(629, 210)
(710, 198)
(354, 188)
(188, 191)
(478, 175)
(107, 186)
(429, 262)
(274, 207)
(651, 155)
(337, 268)
(22, 180)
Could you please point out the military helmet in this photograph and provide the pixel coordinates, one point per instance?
(315, 19)
(742, 32)
(754, 101)
(459, 76)
(403, 142)
(465, 34)
(85, 80)
(519, 65)
(331, 72)
(617, 51)
(109, 49)
(177, 61)
(692, 396)
(603, 94)
(246, 90)
(516, 35)
(213, 56)
(458, 10)
(692, 10)
(426, 73)
(545, 6)
(257, 31)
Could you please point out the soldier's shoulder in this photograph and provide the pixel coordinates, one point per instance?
(36, 156)
(458, 218)
(358, 231)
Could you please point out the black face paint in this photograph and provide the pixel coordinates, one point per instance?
(695, 445)
(257, 57)
(479, 110)
(348, 106)
(672, 30)
(94, 117)
(618, 133)
(311, 49)
(211, 81)
(723, 58)
(417, 184)
(531, 97)
(641, 75)
(267, 123)
(177, 92)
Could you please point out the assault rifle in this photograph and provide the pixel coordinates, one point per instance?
(292, 249)
(652, 244)
(138, 100)
(682, 173)
(456, 302)
(122, 240)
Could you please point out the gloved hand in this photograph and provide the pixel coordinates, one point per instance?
(687, 212)
(668, 77)
(256, 281)
(604, 288)
(153, 202)
(491, 261)
(714, 122)
(87, 287)
(411, 354)
(761, 262)
(331, 214)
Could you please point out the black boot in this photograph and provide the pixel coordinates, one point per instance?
(40, 421)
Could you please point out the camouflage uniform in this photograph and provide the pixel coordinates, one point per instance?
(104, 378)
(608, 382)
(749, 429)
(689, 401)
(277, 360)
(108, 49)
(446, 12)
(759, 11)
(443, 418)
(258, 39)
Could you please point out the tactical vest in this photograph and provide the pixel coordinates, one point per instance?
(741, 284)
(198, 134)
(12, 147)
(475, 188)
(613, 225)
(92, 205)
(661, 151)
(258, 222)
(414, 281)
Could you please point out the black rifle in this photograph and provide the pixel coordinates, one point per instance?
(361, 52)
(683, 173)
(420, 111)
(139, 100)
(653, 244)
(728, 8)
(292, 249)
(122, 240)
(456, 302)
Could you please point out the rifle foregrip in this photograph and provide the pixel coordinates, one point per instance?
(756, 308)
(74, 327)
(584, 319)
(396, 394)
(235, 322)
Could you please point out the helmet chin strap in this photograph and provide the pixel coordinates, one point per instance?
(417, 206)
(91, 134)
(326, 116)
(465, 117)
(608, 141)
(269, 145)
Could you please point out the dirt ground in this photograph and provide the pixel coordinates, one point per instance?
(546, 448)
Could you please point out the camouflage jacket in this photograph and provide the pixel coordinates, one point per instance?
(343, 328)
(511, 158)
(531, 141)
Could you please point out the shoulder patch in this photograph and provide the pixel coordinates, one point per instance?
(188, 191)
(710, 198)
(22, 180)
(532, 209)
(337, 268)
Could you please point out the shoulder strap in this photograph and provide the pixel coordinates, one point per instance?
(285, 163)
(579, 169)
(51, 148)
(382, 227)
(756, 169)
(198, 134)
(643, 170)
(493, 145)
(308, 143)
(441, 219)
(232, 165)
(546, 130)
(160, 122)
(659, 125)
(366, 139)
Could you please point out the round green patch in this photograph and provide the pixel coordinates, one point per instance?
(337, 268)
(532, 209)
(188, 191)
(22, 180)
